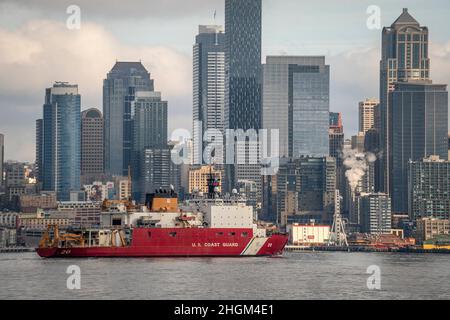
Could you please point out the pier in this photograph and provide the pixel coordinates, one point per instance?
(16, 250)
(363, 249)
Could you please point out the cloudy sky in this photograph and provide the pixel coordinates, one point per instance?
(36, 49)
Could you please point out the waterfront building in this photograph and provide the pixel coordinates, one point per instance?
(30, 203)
(92, 161)
(208, 86)
(308, 234)
(375, 213)
(429, 188)
(119, 89)
(61, 134)
(86, 214)
(296, 101)
(429, 228)
(420, 128)
(404, 57)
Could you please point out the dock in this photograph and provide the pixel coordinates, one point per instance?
(16, 250)
(363, 249)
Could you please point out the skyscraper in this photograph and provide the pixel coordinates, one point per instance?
(336, 136)
(302, 190)
(38, 166)
(429, 188)
(367, 114)
(92, 161)
(242, 110)
(2, 157)
(61, 135)
(404, 57)
(209, 85)
(296, 102)
(375, 213)
(419, 130)
(151, 154)
(119, 89)
(243, 64)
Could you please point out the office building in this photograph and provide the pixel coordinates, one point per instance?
(61, 135)
(375, 213)
(296, 102)
(92, 145)
(119, 89)
(404, 57)
(199, 177)
(150, 143)
(429, 188)
(243, 27)
(429, 228)
(39, 140)
(420, 128)
(208, 86)
(301, 191)
(367, 114)
(358, 142)
(157, 171)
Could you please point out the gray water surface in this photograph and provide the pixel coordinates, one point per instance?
(315, 275)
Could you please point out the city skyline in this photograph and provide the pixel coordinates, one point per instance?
(178, 92)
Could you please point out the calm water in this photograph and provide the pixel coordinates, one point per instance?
(321, 275)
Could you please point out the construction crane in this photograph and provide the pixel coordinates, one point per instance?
(338, 235)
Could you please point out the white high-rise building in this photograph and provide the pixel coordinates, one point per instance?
(209, 88)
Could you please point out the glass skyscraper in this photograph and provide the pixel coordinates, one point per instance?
(296, 101)
(243, 29)
(119, 89)
(243, 64)
(404, 57)
(61, 140)
(419, 130)
(209, 84)
(151, 152)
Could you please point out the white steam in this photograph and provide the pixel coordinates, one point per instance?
(356, 164)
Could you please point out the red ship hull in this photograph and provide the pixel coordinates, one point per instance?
(176, 242)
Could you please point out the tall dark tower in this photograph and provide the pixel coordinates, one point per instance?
(119, 90)
(243, 64)
(243, 79)
(404, 58)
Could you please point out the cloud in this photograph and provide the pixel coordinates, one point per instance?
(119, 9)
(40, 52)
